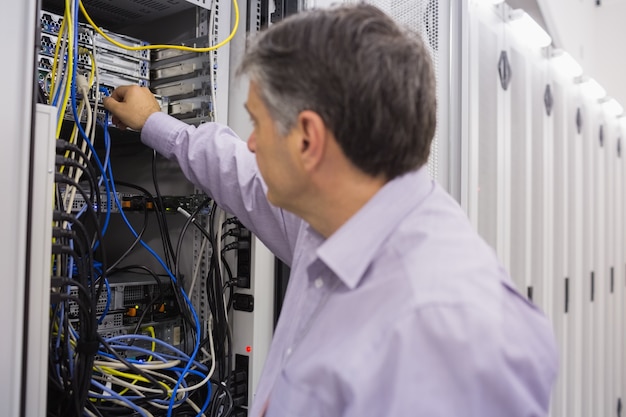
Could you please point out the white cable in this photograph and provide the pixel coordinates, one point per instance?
(145, 365)
(83, 87)
(89, 413)
(210, 373)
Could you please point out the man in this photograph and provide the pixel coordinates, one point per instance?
(395, 306)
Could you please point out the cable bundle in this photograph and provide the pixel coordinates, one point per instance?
(135, 373)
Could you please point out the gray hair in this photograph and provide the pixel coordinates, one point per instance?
(370, 81)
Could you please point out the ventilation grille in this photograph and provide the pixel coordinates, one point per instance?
(114, 14)
(134, 293)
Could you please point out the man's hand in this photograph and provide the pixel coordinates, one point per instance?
(131, 106)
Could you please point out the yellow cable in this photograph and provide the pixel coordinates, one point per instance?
(134, 377)
(68, 72)
(150, 330)
(53, 71)
(92, 72)
(179, 47)
(115, 372)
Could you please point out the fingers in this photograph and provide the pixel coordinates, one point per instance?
(120, 92)
(131, 105)
(110, 104)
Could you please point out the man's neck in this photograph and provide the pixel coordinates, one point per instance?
(339, 199)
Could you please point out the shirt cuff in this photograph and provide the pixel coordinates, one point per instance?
(160, 132)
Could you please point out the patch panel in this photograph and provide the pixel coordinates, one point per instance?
(50, 22)
(44, 63)
(116, 66)
(47, 44)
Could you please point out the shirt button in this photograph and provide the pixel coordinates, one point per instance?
(319, 283)
(288, 352)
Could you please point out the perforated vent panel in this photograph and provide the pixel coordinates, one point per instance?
(114, 14)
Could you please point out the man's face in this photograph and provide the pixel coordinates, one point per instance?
(276, 156)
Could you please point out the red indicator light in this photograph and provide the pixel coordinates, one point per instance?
(248, 349)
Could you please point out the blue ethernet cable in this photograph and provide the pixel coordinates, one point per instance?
(172, 277)
(148, 339)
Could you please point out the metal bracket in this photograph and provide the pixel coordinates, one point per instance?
(548, 99)
(619, 147)
(504, 70)
(579, 121)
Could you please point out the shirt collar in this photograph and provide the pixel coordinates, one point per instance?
(349, 251)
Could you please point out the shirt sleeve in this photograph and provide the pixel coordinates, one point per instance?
(444, 361)
(213, 158)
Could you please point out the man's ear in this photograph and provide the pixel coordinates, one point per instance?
(313, 140)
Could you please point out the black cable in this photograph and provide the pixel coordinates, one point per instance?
(86, 166)
(221, 395)
(59, 216)
(222, 330)
(91, 406)
(159, 199)
(60, 178)
(133, 245)
(78, 229)
(93, 184)
(162, 227)
(83, 360)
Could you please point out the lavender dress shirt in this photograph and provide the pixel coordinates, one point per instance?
(403, 311)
